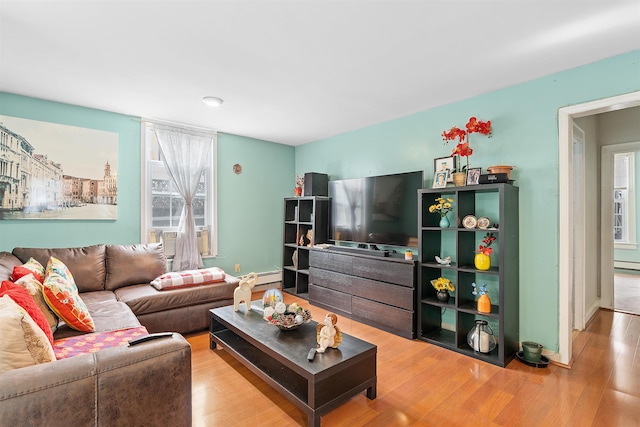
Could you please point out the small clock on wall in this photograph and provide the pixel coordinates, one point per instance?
(237, 169)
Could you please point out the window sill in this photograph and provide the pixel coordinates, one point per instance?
(626, 246)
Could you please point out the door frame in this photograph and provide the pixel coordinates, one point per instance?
(579, 236)
(566, 211)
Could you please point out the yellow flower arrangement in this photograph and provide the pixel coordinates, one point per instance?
(442, 206)
(442, 284)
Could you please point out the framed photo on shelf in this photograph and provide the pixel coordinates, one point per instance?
(440, 179)
(444, 163)
(473, 176)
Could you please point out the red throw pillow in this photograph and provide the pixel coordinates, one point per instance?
(22, 297)
(32, 266)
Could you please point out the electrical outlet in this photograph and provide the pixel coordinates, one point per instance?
(237, 268)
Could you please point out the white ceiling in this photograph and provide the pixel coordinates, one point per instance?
(299, 70)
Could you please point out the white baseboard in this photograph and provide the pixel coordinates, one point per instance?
(626, 265)
(269, 277)
(591, 311)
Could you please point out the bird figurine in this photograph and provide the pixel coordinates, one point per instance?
(443, 261)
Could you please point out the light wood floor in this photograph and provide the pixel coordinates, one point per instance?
(423, 385)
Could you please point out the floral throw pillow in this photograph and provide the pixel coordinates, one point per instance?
(30, 267)
(61, 294)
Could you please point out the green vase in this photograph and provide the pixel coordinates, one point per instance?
(444, 222)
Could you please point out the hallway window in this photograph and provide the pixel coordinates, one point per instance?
(624, 215)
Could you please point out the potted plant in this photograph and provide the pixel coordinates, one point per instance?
(482, 260)
(442, 207)
(463, 149)
(442, 286)
(484, 302)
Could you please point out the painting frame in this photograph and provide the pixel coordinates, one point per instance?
(63, 172)
(442, 163)
(440, 178)
(473, 176)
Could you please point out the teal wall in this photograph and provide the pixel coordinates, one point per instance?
(250, 205)
(525, 134)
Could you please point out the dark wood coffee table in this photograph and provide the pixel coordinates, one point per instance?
(280, 359)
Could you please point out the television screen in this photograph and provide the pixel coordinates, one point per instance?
(376, 210)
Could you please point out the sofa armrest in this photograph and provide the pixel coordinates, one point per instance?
(145, 384)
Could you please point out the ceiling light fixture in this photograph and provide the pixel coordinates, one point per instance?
(212, 101)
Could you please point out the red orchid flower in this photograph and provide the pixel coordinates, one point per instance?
(476, 126)
(485, 250)
(488, 239)
(453, 133)
(463, 150)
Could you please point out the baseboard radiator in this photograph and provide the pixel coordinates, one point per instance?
(168, 239)
(267, 280)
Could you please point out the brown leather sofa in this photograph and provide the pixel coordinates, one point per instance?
(115, 279)
(147, 384)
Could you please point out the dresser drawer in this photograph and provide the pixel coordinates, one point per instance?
(330, 299)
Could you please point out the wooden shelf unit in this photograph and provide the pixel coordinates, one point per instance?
(300, 215)
(447, 324)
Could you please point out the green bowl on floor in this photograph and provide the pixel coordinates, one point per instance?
(532, 351)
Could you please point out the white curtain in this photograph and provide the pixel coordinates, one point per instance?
(185, 153)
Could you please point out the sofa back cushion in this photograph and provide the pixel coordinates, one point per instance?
(134, 264)
(7, 262)
(87, 264)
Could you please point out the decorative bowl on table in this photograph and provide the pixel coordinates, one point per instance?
(286, 317)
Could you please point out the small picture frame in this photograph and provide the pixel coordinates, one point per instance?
(440, 178)
(473, 176)
(443, 163)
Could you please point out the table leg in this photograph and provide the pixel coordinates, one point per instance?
(372, 392)
(313, 420)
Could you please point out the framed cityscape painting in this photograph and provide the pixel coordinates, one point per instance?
(54, 171)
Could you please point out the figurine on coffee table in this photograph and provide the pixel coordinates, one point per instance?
(328, 334)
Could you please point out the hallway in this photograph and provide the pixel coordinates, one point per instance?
(626, 291)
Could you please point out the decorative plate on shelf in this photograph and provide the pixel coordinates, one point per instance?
(469, 221)
(484, 223)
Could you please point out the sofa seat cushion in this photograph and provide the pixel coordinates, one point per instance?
(95, 341)
(85, 263)
(107, 312)
(145, 299)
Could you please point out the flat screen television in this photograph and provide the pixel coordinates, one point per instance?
(377, 210)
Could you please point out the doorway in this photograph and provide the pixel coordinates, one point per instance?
(626, 293)
(567, 215)
(619, 290)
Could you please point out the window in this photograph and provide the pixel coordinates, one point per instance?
(624, 228)
(162, 204)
